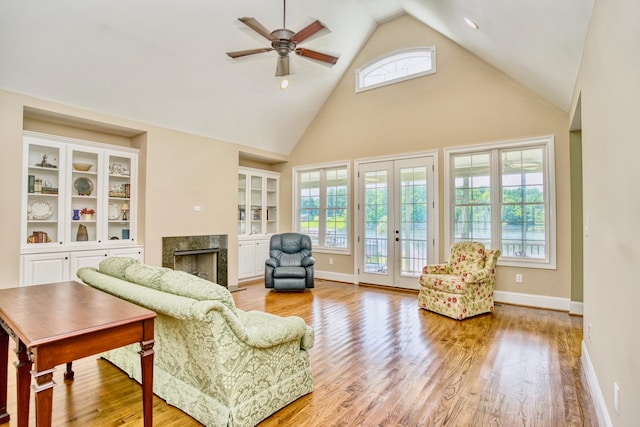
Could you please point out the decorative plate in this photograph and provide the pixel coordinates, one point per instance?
(41, 209)
(84, 186)
(114, 211)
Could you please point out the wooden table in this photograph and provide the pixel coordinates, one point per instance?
(57, 323)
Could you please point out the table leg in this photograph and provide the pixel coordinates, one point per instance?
(44, 396)
(146, 359)
(23, 379)
(68, 373)
(4, 360)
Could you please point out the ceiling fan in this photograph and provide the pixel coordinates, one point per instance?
(285, 41)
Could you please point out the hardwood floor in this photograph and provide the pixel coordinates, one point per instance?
(378, 360)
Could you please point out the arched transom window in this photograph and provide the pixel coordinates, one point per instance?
(396, 67)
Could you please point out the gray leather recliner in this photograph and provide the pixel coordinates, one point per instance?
(290, 266)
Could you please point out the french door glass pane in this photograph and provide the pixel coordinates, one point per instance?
(375, 222)
(413, 220)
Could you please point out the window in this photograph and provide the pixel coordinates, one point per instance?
(503, 195)
(322, 205)
(395, 67)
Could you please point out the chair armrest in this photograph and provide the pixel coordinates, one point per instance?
(264, 330)
(271, 262)
(436, 269)
(478, 276)
(307, 261)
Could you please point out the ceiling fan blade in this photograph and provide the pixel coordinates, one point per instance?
(319, 56)
(257, 27)
(307, 31)
(241, 53)
(282, 67)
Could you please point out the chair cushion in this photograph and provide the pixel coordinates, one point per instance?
(294, 272)
(444, 282)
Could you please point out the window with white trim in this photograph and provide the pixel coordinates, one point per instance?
(321, 205)
(503, 195)
(396, 67)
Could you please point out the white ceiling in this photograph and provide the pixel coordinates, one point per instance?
(163, 61)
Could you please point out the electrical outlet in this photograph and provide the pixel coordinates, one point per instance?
(616, 397)
(589, 331)
(518, 278)
(197, 208)
(330, 261)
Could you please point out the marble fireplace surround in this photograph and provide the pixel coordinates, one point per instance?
(214, 243)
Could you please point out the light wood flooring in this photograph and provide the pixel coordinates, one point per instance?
(378, 360)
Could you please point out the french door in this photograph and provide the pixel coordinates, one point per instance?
(396, 221)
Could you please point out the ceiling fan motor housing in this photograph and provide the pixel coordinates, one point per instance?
(283, 45)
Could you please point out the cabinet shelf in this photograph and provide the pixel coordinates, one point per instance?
(52, 195)
(40, 168)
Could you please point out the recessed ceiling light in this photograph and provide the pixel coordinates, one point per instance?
(471, 23)
(284, 84)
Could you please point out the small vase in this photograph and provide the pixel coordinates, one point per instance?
(76, 214)
(87, 217)
(82, 235)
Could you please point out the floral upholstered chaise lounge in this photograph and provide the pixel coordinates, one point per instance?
(219, 364)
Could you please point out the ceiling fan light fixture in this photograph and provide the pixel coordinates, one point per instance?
(471, 23)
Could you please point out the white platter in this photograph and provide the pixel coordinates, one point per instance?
(114, 211)
(41, 209)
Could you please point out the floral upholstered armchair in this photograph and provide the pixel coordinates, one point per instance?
(463, 287)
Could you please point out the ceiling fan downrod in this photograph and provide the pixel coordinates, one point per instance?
(284, 14)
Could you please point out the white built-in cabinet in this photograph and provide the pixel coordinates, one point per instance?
(79, 205)
(257, 219)
(251, 257)
(62, 266)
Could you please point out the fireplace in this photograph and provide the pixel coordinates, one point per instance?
(203, 256)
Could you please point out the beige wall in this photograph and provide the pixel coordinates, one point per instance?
(609, 91)
(465, 102)
(177, 172)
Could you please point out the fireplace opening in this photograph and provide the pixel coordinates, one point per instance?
(204, 256)
(201, 262)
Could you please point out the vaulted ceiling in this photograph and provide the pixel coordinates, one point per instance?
(163, 62)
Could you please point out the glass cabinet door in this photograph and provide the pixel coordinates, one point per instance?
(43, 199)
(256, 205)
(272, 206)
(83, 211)
(120, 208)
(242, 203)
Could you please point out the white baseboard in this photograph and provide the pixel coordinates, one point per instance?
(594, 387)
(576, 307)
(338, 277)
(531, 300)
